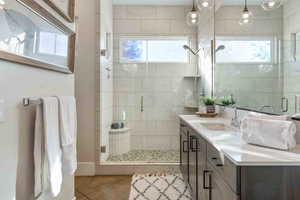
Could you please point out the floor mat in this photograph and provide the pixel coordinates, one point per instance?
(159, 187)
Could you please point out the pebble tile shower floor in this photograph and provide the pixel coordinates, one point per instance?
(151, 156)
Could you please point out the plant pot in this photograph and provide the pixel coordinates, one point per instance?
(210, 109)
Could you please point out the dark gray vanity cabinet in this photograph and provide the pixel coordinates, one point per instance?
(197, 158)
(210, 178)
(184, 152)
(193, 160)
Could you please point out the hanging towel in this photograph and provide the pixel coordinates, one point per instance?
(47, 150)
(53, 151)
(38, 152)
(68, 132)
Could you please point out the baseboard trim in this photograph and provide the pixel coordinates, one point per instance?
(133, 169)
(85, 169)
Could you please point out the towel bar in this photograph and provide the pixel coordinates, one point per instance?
(29, 101)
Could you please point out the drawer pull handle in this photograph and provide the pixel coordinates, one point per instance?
(214, 158)
(219, 165)
(185, 144)
(204, 179)
(193, 141)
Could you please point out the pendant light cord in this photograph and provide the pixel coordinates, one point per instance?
(194, 8)
(246, 5)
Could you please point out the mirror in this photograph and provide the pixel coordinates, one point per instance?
(257, 55)
(31, 35)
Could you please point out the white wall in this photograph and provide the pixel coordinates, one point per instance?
(85, 85)
(162, 85)
(16, 133)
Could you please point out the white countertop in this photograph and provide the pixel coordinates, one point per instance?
(230, 144)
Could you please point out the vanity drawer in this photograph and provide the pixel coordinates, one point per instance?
(228, 171)
(219, 189)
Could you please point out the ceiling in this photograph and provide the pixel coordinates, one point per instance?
(178, 2)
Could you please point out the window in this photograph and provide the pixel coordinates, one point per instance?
(53, 44)
(154, 49)
(244, 50)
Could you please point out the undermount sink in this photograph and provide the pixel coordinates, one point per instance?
(216, 126)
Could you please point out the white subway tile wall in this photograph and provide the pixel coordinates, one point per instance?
(162, 85)
(262, 81)
(291, 17)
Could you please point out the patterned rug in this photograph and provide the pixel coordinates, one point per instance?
(159, 187)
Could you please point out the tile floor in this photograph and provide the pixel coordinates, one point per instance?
(149, 156)
(102, 187)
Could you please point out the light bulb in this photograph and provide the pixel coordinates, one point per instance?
(246, 15)
(205, 4)
(245, 21)
(194, 15)
(271, 4)
(2, 4)
(193, 18)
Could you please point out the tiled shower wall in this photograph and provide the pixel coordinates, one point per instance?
(291, 18)
(262, 81)
(162, 85)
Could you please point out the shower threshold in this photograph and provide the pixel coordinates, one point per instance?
(146, 156)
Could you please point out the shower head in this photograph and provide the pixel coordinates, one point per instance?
(220, 48)
(186, 47)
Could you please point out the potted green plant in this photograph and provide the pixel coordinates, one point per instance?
(227, 101)
(209, 104)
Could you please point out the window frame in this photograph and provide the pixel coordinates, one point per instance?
(148, 38)
(272, 39)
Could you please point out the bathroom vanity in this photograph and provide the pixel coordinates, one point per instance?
(219, 165)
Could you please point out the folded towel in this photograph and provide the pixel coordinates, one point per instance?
(264, 116)
(276, 133)
(53, 151)
(68, 132)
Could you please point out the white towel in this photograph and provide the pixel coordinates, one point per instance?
(47, 151)
(278, 134)
(53, 151)
(68, 132)
(264, 116)
(38, 152)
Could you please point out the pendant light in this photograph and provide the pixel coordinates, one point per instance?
(204, 4)
(271, 4)
(246, 15)
(2, 4)
(193, 17)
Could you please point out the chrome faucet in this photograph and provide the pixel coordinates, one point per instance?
(235, 122)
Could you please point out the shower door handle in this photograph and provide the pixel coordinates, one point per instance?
(142, 103)
(286, 107)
